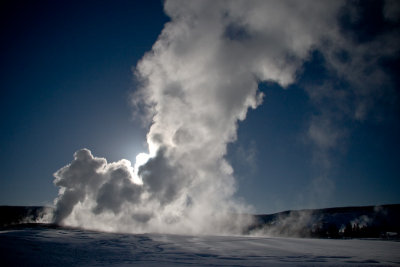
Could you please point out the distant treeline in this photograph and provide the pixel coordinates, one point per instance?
(330, 230)
(349, 222)
(14, 215)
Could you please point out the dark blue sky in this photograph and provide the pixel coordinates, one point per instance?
(66, 78)
(66, 74)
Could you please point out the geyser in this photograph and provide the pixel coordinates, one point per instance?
(197, 82)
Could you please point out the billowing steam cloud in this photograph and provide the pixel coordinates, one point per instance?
(196, 83)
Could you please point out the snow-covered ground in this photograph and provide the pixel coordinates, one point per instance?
(74, 247)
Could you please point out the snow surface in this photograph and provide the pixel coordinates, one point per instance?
(75, 247)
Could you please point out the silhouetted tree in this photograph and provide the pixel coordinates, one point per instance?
(333, 231)
(348, 230)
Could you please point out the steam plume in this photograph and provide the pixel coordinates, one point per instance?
(197, 82)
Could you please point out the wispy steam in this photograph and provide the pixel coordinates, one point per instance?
(357, 85)
(197, 82)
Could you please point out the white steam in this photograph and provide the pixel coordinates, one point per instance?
(197, 82)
